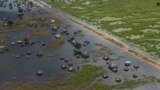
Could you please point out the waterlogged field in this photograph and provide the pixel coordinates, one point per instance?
(136, 21)
(41, 50)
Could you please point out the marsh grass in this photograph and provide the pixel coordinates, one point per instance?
(135, 14)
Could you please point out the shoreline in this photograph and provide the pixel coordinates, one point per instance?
(118, 42)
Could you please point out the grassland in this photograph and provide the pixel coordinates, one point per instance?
(135, 21)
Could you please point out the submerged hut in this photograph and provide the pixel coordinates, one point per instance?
(127, 63)
(113, 67)
(40, 73)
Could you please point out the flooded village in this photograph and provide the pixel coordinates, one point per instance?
(41, 49)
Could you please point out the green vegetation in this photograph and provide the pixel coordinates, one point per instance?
(88, 73)
(136, 21)
(40, 31)
(127, 84)
(2, 46)
(57, 43)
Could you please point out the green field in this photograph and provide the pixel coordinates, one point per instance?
(136, 21)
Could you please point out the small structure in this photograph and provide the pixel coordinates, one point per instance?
(6, 48)
(17, 56)
(13, 43)
(106, 58)
(32, 42)
(58, 36)
(63, 66)
(61, 58)
(78, 56)
(134, 75)
(85, 43)
(94, 60)
(1, 50)
(77, 45)
(43, 44)
(19, 42)
(70, 69)
(75, 32)
(39, 54)
(40, 73)
(104, 76)
(29, 53)
(126, 69)
(127, 63)
(113, 67)
(70, 64)
(77, 52)
(118, 80)
(70, 39)
(9, 23)
(54, 29)
(85, 55)
(135, 66)
(26, 41)
(65, 32)
(66, 60)
(52, 21)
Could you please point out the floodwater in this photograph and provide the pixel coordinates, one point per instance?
(17, 65)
